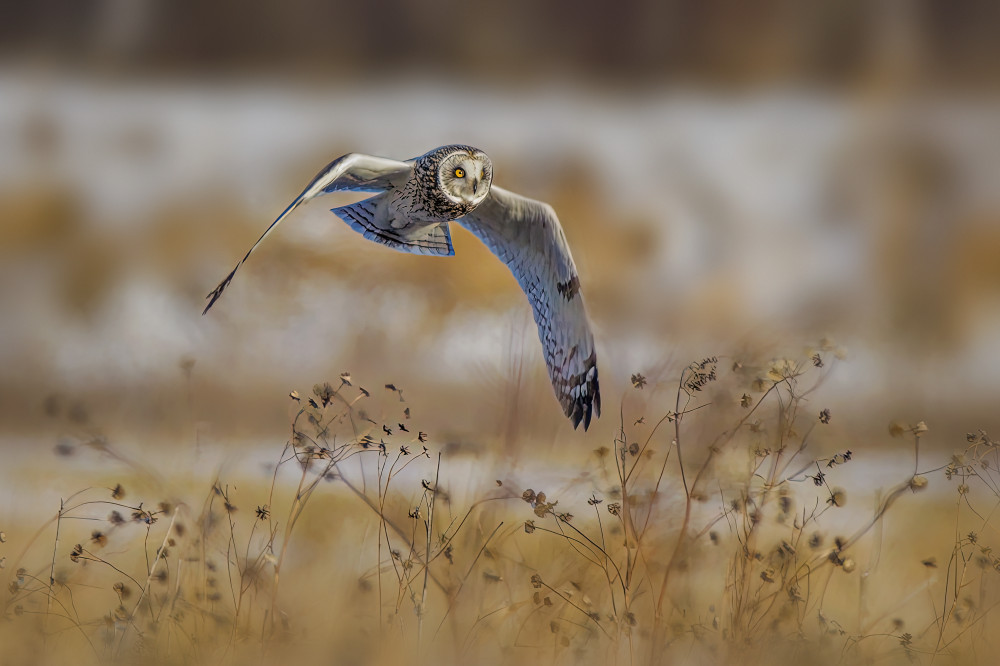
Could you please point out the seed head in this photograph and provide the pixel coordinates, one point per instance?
(324, 392)
(122, 590)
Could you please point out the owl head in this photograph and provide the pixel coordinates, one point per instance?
(465, 175)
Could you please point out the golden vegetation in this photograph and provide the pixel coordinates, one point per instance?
(713, 532)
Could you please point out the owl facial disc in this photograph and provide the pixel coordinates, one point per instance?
(465, 176)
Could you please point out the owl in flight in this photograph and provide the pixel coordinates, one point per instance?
(414, 204)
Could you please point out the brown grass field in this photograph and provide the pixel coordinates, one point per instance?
(727, 522)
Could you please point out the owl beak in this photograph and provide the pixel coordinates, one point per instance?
(475, 186)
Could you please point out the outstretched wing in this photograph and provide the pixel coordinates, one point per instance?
(360, 173)
(526, 236)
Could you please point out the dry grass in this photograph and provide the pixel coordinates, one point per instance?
(711, 534)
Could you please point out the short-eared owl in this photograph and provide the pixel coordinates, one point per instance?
(415, 202)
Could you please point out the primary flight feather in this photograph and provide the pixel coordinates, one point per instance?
(415, 202)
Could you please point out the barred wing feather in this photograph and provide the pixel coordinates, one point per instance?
(526, 235)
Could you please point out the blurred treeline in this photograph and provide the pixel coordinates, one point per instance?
(723, 41)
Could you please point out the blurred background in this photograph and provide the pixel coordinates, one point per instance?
(735, 179)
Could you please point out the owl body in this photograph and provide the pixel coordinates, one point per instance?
(409, 215)
(415, 203)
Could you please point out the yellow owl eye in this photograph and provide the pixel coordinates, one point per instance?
(459, 173)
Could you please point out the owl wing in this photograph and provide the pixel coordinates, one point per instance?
(360, 173)
(526, 236)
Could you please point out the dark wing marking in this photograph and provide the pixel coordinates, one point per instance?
(526, 236)
(364, 217)
(350, 172)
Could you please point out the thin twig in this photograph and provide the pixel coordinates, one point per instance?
(427, 559)
(149, 578)
(466, 577)
(52, 568)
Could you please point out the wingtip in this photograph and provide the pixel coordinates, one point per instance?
(584, 408)
(213, 296)
(209, 306)
(582, 414)
(216, 293)
(587, 403)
